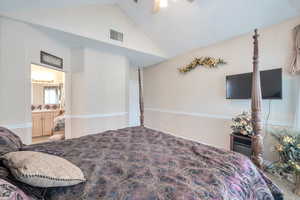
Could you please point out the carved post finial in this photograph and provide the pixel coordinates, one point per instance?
(256, 101)
(141, 100)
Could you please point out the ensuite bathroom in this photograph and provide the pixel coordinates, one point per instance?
(47, 104)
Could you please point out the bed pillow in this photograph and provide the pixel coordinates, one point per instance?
(9, 141)
(42, 170)
(10, 192)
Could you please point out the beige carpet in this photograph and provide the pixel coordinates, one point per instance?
(286, 187)
(40, 140)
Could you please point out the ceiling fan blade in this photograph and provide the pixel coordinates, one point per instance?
(156, 6)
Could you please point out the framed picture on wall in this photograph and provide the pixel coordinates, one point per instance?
(52, 60)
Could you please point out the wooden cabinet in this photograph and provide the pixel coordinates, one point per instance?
(47, 119)
(37, 125)
(43, 123)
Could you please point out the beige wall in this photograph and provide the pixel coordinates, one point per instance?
(194, 105)
(99, 91)
(133, 98)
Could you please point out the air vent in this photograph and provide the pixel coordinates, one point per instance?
(115, 35)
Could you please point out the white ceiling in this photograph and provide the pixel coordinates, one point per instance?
(137, 58)
(184, 26)
(14, 5)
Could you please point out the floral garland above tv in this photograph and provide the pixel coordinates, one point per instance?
(207, 62)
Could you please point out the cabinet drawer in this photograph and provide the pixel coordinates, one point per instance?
(243, 149)
(47, 123)
(37, 125)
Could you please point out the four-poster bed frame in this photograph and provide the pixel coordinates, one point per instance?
(256, 99)
(141, 99)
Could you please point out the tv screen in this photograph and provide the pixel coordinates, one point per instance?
(239, 86)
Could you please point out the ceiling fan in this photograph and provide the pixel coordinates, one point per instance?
(158, 4)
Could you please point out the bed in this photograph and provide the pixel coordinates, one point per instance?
(139, 163)
(143, 164)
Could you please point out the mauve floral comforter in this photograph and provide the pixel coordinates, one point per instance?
(143, 164)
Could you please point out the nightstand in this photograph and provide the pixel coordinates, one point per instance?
(241, 144)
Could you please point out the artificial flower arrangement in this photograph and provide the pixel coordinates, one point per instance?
(242, 124)
(208, 62)
(288, 149)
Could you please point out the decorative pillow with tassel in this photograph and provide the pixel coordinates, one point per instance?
(42, 170)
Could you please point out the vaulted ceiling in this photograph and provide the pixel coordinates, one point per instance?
(16, 5)
(183, 26)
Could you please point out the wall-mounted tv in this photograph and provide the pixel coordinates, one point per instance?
(239, 86)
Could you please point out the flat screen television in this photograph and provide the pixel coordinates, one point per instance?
(239, 86)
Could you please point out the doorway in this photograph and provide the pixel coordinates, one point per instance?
(47, 104)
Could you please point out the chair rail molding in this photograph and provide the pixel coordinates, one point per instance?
(18, 126)
(213, 116)
(90, 116)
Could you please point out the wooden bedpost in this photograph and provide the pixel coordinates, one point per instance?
(256, 101)
(141, 99)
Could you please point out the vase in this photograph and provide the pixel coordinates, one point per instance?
(297, 184)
